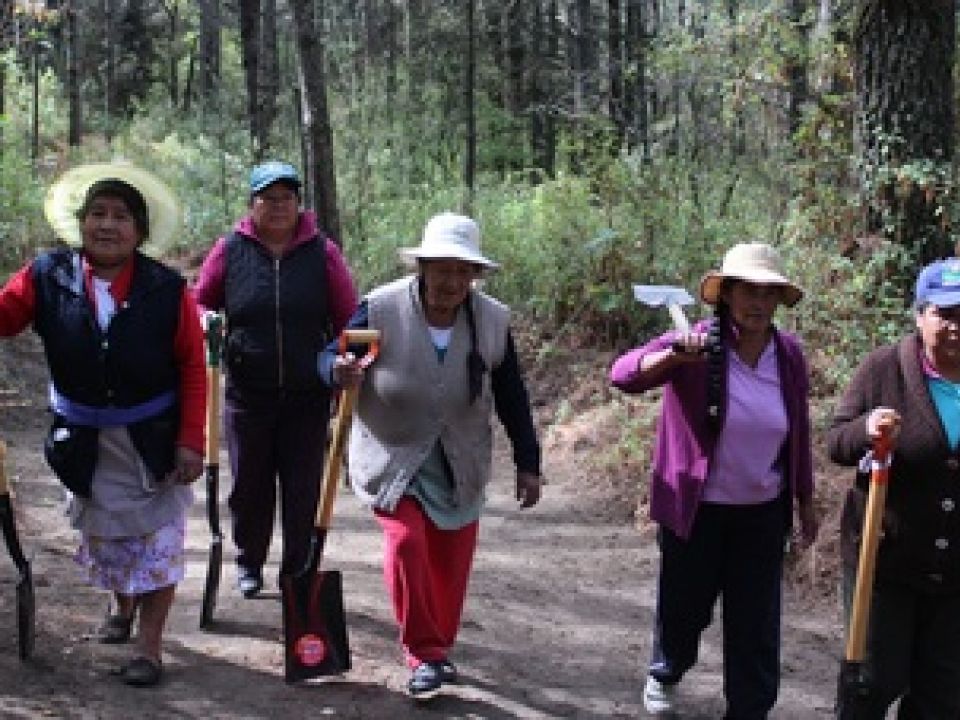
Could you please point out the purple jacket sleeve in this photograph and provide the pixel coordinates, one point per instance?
(625, 371)
(208, 290)
(341, 292)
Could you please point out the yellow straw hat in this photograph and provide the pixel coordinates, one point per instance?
(753, 262)
(68, 192)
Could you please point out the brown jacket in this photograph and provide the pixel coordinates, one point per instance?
(921, 540)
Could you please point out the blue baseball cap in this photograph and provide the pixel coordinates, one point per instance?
(262, 176)
(939, 284)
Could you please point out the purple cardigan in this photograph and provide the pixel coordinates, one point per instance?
(684, 443)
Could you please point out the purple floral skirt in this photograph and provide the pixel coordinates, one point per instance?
(135, 565)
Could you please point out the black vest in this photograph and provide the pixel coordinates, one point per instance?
(129, 364)
(276, 316)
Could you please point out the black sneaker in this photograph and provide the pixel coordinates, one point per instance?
(448, 672)
(249, 581)
(426, 681)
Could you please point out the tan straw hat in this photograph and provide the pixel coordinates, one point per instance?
(449, 237)
(753, 262)
(68, 192)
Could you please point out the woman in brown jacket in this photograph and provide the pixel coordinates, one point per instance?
(914, 636)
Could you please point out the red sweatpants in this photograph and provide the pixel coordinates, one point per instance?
(426, 571)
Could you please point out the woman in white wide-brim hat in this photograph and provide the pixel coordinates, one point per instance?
(124, 347)
(732, 462)
(420, 446)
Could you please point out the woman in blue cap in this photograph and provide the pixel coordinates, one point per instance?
(285, 290)
(913, 644)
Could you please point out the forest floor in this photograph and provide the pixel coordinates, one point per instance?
(557, 621)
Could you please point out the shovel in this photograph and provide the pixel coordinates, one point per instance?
(314, 626)
(214, 335)
(853, 683)
(674, 298)
(26, 608)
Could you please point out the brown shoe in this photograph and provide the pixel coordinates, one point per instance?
(115, 629)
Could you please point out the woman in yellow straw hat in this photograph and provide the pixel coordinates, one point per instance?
(123, 343)
(732, 460)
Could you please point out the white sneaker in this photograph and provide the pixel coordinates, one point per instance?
(658, 699)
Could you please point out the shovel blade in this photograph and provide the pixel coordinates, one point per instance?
(666, 295)
(314, 625)
(853, 688)
(212, 584)
(26, 614)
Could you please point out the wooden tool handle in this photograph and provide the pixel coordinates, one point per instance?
(866, 566)
(341, 426)
(212, 449)
(4, 486)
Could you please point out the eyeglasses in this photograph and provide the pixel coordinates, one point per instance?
(946, 314)
(277, 199)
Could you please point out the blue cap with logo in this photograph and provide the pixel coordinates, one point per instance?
(268, 173)
(939, 284)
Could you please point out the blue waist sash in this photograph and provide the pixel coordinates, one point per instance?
(106, 417)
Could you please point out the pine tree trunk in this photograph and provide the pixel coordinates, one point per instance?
(615, 43)
(904, 54)
(209, 49)
(73, 78)
(318, 137)
(250, 52)
(470, 154)
(269, 75)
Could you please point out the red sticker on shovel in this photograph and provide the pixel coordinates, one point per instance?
(311, 650)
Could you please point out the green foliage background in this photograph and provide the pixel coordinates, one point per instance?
(571, 246)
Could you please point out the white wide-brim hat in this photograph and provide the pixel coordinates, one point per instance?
(449, 237)
(753, 262)
(68, 192)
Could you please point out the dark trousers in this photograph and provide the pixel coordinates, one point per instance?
(734, 552)
(269, 439)
(913, 652)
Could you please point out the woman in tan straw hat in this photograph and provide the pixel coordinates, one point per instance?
(421, 438)
(732, 457)
(123, 344)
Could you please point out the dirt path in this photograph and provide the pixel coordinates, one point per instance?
(556, 623)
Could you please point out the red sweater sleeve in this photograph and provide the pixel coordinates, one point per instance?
(18, 302)
(341, 293)
(188, 351)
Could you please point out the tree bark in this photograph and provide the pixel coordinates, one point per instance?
(318, 138)
(470, 154)
(269, 74)
(74, 130)
(904, 54)
(250, 53)
(209, 50)
(615, 71)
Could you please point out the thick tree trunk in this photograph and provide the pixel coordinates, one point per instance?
(269, 74)
(318, 138)
(904, 54)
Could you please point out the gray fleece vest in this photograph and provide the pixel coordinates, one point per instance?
(409, 399)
